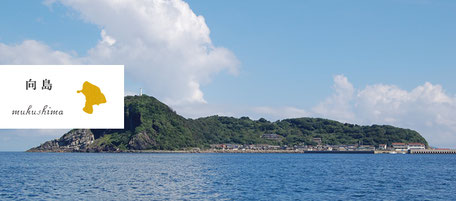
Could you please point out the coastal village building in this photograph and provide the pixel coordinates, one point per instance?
(416, 146)
(217, 146)
(233, 146)
(400, 146)
(317, 140)
(351, 147)
(339, 148)
(226, 146)
(382, 146)
(366, 148)
(264, 147)
(327, 148)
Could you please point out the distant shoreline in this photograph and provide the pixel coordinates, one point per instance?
(216, 151)
(250, 151)
(258, 152)
(426, 151)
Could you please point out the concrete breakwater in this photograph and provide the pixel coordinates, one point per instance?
(433, 151)
(339, 152)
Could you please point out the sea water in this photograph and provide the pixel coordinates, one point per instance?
(148, 176)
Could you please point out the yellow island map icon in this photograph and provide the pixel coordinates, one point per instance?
(93, 96)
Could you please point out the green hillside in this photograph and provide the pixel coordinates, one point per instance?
(150, 124)
(167, 130)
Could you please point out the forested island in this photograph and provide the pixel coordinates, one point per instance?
(152, 125)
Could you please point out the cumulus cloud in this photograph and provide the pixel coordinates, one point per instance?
(427, 108)
(339, 105)
(163, 44)
(279, 112)
(197, 110)
(34, 52)
(167, 49)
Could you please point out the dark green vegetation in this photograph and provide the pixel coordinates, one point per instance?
(150, 124)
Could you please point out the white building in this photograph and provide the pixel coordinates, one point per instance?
(415, 146)
(400, 146)
(382, 146)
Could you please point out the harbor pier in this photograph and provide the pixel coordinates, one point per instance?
(432, 151)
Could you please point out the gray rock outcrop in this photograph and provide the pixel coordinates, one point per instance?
(74, 141)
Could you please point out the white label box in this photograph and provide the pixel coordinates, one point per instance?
(61, 96)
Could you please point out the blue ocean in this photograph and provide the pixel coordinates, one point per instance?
(149, 176)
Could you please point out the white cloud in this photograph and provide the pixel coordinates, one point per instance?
(33, 52)
(163, 45)
(275, 113)
(105, 39)
(339, 104)
(167, 49)
(130, 93)
(427, 108)
(196, 110)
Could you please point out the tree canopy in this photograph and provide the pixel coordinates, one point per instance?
(150, 124)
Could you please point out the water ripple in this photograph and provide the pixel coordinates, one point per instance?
(79, 176)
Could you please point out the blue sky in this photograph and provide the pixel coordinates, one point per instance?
(289, 53)
(59, 27)
(299, 45)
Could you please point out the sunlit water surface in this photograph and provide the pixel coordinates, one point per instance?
(104, 176)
